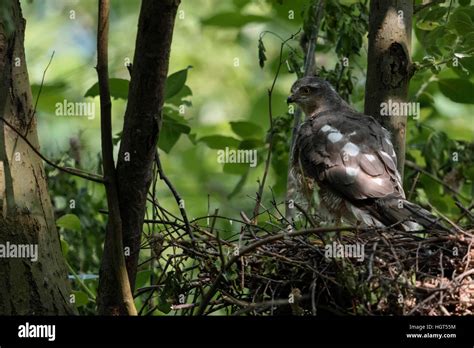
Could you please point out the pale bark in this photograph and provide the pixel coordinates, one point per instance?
(28, 287)
(389, 66)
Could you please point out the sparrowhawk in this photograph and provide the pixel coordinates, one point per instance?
(352, 159)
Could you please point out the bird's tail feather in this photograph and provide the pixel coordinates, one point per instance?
(393, 210)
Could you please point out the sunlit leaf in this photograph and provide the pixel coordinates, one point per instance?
(80, 298)
(70, 222)
(220, 142)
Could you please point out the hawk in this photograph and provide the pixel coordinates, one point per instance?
(351, 158)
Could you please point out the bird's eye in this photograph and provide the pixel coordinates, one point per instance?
(305, 90)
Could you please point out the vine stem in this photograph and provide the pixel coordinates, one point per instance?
(270, 147)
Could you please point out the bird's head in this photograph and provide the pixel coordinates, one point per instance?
(314, 95)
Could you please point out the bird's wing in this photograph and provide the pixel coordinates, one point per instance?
(350, 154)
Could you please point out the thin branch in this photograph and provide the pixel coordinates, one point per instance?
(313, 37)
(32, 117)
(114, 257)
(72, 171)
(270, 147)
(306, 214)
(413, 186)
(445, 218)
(176, 195)
(39, 93)
(435, 178)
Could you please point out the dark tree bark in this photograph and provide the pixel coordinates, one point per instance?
(142, 124)
(389, 66)
(26, 214)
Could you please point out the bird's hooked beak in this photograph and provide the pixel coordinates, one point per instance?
(290, 99)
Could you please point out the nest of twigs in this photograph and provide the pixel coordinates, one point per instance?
(285, 271)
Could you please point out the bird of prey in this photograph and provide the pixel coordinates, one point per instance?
(352, 159)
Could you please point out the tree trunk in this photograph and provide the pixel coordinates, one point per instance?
(26, 214)
(119, 299)
(142, 123)
(389, 66)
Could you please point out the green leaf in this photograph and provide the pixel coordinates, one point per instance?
(246, 130)
(177, 122)
(172, 128)
(435, 14)
(179, 98)
(461, 22)
(220, 142)
(458, 90)
(118, 89)
(175, 82)
(142, 278)
(117, 138)
(53, 88)
(64, 247)
(261, 53)
(81, 298)
(232, 20)
(467, 63)
(164, 306)
(299, 8)
(468, 41)
(251, 144)
(70, 222)
(427, 25)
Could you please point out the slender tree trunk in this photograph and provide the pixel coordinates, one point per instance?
(389, 66)
(26, 214)
(119, 299)
(142, 123)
